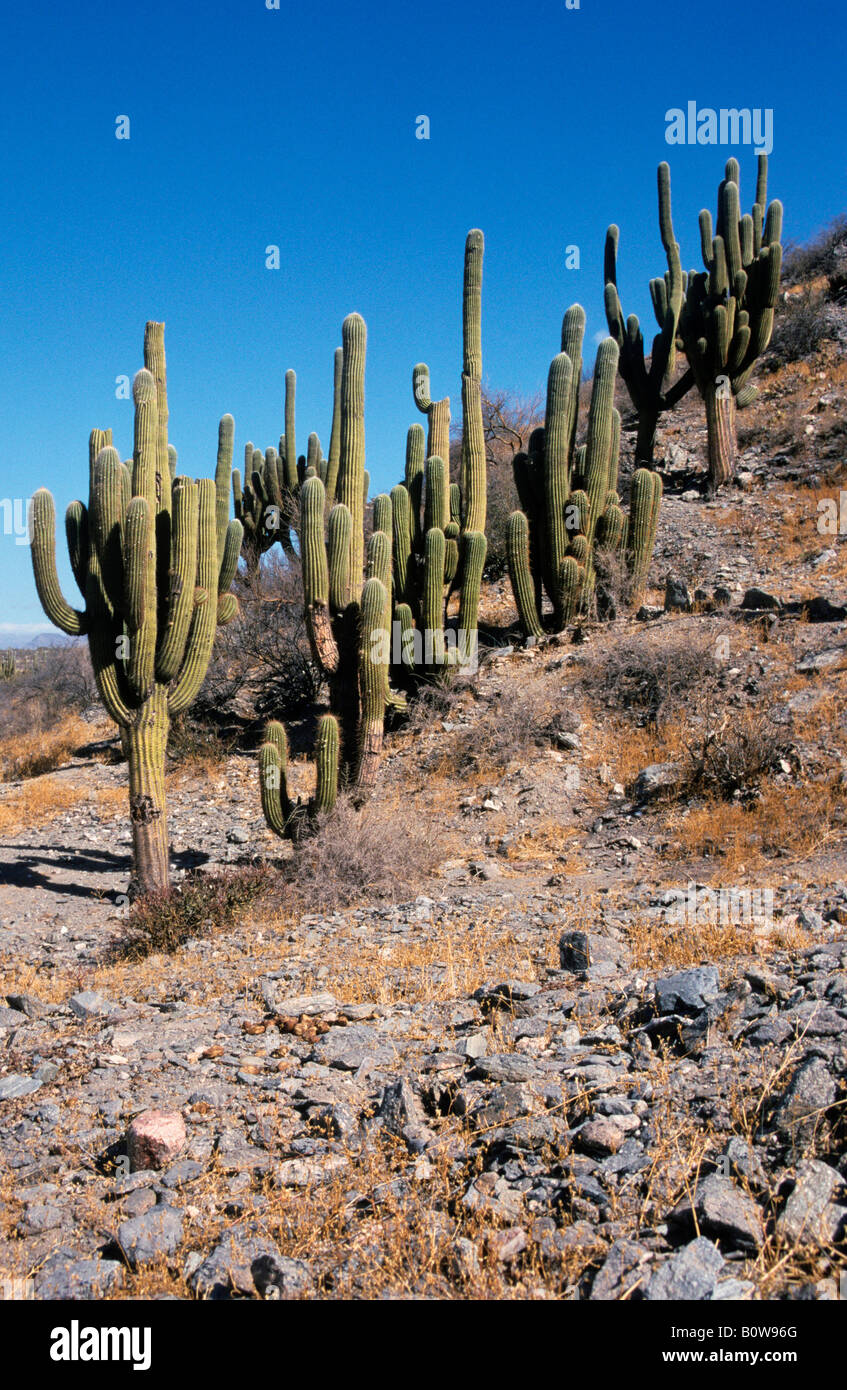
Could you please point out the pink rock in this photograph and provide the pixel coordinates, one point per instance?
(154, 1139)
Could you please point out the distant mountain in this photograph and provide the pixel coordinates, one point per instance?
(52, 639)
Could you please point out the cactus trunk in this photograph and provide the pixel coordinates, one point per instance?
(720, 427)
(144, 744)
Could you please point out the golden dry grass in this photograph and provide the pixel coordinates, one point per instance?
(30, 754)
(793, 822)
(38, 802)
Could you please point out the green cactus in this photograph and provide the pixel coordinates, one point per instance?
(648, 387)
(154, 555)
(571, 515)
(8, 666)
(721, 318)
(348, 613)
(439, 543)
(726, 319)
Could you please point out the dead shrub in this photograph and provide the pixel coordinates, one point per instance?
(652, 675)
(734, 754)
(378, 852)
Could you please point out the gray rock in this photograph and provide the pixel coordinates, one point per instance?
(150, 1236)
(311, 1004)
(276, 1276)
(758, 600)
(90, 1004)
(506, 1066)
(591, 955)
(503, 1104)
(27, 1004)
(677, 596)
(228, 1269)
(659, 779)
(621, 1273)
(811, 1215)
(63, 1277)
(809, 1094)
(15, 1085)
(12, 1018)
(690, 1275)
(687, 991)
(723, 1211)
(349, 1048)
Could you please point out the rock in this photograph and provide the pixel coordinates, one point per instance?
(63, 1277)
(659, 779)
(27, 1004)
(600, 1137)
(505, 1246)
(757, 599)
(621, 1273)
(811, 1215)
(15, 1085)
(399, 1107)
(309, 1004)
(506, 1066)
(352, 1047)
(502, 1105)
(238, 836)
(90, 1004)
(154, 1139)
(721, 596)
(687, 991)
(493, 1196)
(12, 1018)
(723, 1211)
(690, 1275)
(155, 1234)
(591, 955)
(309, 1172)
(648, 613)
(677, 596)
(801, 1109)
(229, 1268)
(276, 1276)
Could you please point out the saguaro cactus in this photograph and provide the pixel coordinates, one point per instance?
(438, 527)
(154, 555)
(347, 614)
(726, 319)
(571, 512)
(721, 318)
(647, 384)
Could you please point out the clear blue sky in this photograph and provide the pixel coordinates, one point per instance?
(252, 126)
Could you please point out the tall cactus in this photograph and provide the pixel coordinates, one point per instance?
(8, 666)
(347, 610)
(154, 556)
(438, 527)
(721, 318)
(726, 319)
(647, 386)
(571, 513)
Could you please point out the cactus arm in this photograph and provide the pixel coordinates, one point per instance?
(201, 632)
(43, 550)
(185, 512)
(520, 574)
(351, 472)
(473, 437)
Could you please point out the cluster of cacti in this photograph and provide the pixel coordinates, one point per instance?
(348, 616)
(265, 503)
(571, 520)
(8, 666)
(438, 527)
(721, 318)
(726, 319)
(154, 554)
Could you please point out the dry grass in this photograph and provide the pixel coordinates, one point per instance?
(659, 945)
(30, 754)
(791, 822)
(40, 801)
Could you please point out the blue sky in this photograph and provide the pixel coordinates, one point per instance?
(296, 127)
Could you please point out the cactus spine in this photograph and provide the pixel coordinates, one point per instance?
(154, 555)
(570, 516)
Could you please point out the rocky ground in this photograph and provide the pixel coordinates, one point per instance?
(549, 1062)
